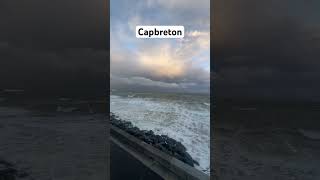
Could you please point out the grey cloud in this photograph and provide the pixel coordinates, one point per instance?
(54, 46)
(72, 71)
(128, 65)
(54, 24)
(138, 83)
(267, 49)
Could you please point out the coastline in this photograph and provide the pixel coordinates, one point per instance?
(265, 140)
(161, 142)
(183, 117)
(62, 138)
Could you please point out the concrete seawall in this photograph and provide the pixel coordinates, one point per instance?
(163, 165)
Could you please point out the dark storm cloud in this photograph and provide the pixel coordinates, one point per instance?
(267, 49)
(57, 24)
(54, 46)
(75, 71)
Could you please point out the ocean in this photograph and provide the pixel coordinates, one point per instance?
(183, 117)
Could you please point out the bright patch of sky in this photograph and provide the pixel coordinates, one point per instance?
(169, 61)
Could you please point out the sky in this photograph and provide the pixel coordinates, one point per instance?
(261, 48)
(168, 65)
(49, 47)
(267, 49)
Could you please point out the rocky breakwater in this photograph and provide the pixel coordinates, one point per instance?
(162, 142)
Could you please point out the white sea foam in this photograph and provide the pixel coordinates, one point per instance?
(185, 119)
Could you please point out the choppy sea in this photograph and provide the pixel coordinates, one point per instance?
(183, 117)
